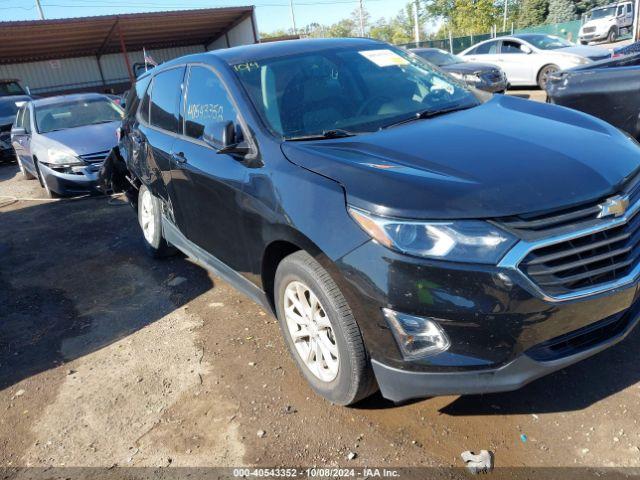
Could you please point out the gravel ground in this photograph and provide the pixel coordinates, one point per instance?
(110, 358)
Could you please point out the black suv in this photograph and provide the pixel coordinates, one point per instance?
(410, 234)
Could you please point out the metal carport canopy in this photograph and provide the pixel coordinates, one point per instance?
(28, 41)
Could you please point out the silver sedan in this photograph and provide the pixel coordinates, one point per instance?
(62, 141)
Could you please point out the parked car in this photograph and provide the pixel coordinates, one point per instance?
(627, 50)
(529, 58)
(62, 141)
(12, 96)
(607, 23)
(608, 90)
(483, 76)
(408, 232)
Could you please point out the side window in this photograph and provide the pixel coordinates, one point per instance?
(18, 121)
(165, 100)
(509, 46)
(146, 102)
(620, 10)
(489, 48)
(26, 119)
(629, 8)
(207, 102)
(136, 94)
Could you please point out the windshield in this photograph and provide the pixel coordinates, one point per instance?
(11, 88)
(545, 42)
(354, 89)
(439, 57)
(8, 109)
(79, 113)
(601, 13)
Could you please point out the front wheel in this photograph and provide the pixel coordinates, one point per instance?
(545, 73)
(321, 331)
(613, 35)
(150, 220)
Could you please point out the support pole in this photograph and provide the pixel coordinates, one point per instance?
(123, 47)
(40, 11)
(504, 18)
(293, 17)
(450, 42)
(416, 22)
(636, 15)
(361, 9)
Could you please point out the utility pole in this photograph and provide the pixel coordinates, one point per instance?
(504, 19)
(293, 17)
(40, 9)
(416, 22)
(362, 18)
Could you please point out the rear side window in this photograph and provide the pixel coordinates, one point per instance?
(165, 100)
(629, 8)
(207, 102)
(136, 95)
(18, 121)
(488, 48)
(26, 119)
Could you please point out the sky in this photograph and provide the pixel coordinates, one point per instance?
(271, 14)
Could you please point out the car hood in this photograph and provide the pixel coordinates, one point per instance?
(594, 53)
(469, 67)
(84, 140)
(506, 157)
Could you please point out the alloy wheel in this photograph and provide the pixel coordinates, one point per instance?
(147, 218)
(311, 331)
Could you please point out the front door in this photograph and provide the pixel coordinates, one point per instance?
(209, 186)
(514, 62)
(22, 143)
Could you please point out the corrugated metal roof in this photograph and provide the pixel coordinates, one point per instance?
(27, 41)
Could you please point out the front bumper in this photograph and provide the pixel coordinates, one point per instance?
(83, 180)
(593, 37)
(491, 86)
(503, 333)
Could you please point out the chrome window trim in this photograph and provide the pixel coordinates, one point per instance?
(511, 261)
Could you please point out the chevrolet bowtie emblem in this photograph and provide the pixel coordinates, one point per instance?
(614, 207)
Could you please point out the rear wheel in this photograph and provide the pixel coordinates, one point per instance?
(321, 332)
(545, 73)
(150, 220)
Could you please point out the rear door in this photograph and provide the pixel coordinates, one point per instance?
(488, 52)
(209, 186)
(22, 143)
(153, 140)
(517, 65)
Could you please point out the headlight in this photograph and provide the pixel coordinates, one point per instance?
(61, 157)
(579, 60)
(472, 241)
(465, 77)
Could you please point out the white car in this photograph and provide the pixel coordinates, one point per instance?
(529, 58)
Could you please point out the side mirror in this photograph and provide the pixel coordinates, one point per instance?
(526, 49)
(17, 131)
(219, 134)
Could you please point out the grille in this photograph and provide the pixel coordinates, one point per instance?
(589, 29)
(97, 157)
(587, 261)
(546, 224)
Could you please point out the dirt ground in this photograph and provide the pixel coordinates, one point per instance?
(109, 358)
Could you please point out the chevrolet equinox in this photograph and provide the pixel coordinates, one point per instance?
(409, 233)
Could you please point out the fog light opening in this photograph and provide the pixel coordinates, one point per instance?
(417, 337)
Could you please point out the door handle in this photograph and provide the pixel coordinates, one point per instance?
(179, 157)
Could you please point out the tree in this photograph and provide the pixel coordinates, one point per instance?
(464, 17)
(533, 12)
(561, 11)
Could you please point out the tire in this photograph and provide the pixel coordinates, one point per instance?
(150, 220)
(43, 182)
(25, 173)
(582, 42)
(543, 75)
(348, 377)
(613, 35)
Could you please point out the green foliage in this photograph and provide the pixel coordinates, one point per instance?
(533, 12)
(561, 11)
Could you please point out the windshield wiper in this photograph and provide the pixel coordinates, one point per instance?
(429, 114)
(326, 134)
